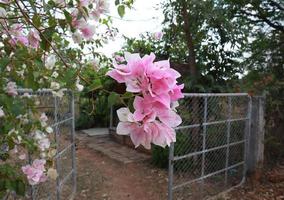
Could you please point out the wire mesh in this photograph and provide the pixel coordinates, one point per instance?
(60, 113)
(209, 154)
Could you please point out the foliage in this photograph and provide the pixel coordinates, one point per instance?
(238, 46)
(44, 44)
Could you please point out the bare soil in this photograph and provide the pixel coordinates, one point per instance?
(102, 178)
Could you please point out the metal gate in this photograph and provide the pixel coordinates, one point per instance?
(210, 152)
(60, 113)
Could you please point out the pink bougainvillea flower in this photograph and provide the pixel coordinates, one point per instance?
(145, 132)
(34, 38)
(36, 172)
(156, 90)
(176, 92)
(88, 31)
(119, 58)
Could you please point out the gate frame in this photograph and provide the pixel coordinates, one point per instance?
(68, 118)
(247, 132)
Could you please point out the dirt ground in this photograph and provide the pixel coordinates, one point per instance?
(102, 178)
(269, 187)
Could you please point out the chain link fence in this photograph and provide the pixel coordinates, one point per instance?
(209, 154)
(60, 113)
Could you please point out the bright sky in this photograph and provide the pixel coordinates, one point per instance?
(146, 16)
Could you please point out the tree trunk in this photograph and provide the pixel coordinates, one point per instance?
(189, 41)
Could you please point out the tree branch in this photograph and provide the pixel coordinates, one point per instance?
(53, 48)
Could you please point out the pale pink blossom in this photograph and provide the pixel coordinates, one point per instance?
(3, 12)
(102, 6)
(88, 31)
(84, 3)
(21, 39)
(43, 144)
(158, 35)
(11, 89)
(5, 1)
(34, 38)
(146, 132)
(22, 156)
(43, 117)
(36, 172)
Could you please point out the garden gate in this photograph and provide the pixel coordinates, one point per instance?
(60, 113)
(210, 152)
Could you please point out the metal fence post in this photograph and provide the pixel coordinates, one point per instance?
(247, 138)
(57, 146)
(204, 142)
(228, 137)
(111, 117)
(171, 172)
(74, 173)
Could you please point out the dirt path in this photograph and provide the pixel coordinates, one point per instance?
(101, 178)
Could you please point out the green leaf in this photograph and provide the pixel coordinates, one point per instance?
(117, 2)
(97, 84)
(121, 10)
(68, 16)
(20, 187)
(112, 99)
(127, 95)
(52, 21)
(4, 62)
(36, 20)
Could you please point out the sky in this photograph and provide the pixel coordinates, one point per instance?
(146, 16)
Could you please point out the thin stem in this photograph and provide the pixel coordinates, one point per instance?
(54, 49)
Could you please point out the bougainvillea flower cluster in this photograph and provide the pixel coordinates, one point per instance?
(156, 89)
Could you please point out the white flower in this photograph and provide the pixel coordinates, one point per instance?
(2, 114)
(77, 37)
(3, 12)
(22, 156)
(50, 61)
(38, 135)
(54, 74)
(79, 86)
(43, 119)
(59, 93)
(54, 86)
(26, 95)
(44, 144)
(95, 64)
(43, 155)
(174, 105)
(19, 139)
(49, 129)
